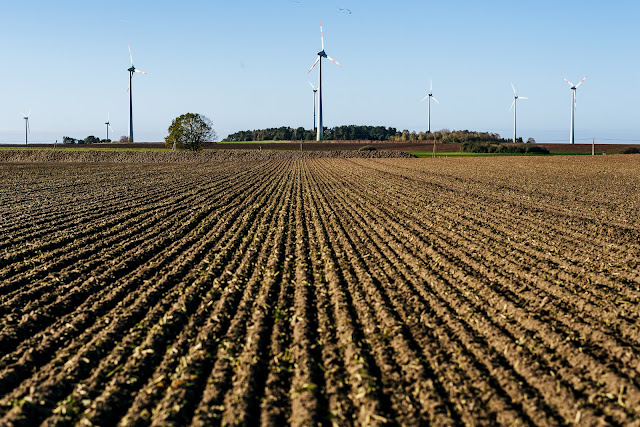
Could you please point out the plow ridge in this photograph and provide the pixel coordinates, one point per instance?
(306, 290)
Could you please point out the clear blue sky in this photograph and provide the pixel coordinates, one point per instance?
(243, 64)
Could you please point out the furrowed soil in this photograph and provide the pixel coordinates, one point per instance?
(313, 146)
(345, 291)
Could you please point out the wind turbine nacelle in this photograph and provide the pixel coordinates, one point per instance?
(321, 53)
(132, 69)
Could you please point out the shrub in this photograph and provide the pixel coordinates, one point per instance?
(631, 150)
(537, 149)
(485, 147)
(477, 147)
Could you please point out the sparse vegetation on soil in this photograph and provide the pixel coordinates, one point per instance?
(320, 290)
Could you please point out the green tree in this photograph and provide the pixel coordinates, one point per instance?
(190, 131)
(91, 140)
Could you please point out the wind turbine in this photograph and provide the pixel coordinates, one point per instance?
(27, 127)
(514, 107)
(321, 55)
(573, 107)
(314, 104)
(429, 96)
(131, 71)
(107, 124)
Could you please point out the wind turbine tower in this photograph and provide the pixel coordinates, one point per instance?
(514, 106)
(573, 107)
(27, 127)
(429, 96)
(321, 55)
(107, 124)
(314, 104)
(131, 70)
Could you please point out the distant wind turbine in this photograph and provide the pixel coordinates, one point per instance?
(314, 104)
(131, 71)
(573, 107)
(514, 106)
(107, 124)
(429, 96)
(27, 127)
(321, 55)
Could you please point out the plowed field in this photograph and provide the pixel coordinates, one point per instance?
(319, 291)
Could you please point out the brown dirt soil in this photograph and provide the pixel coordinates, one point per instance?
(68, 156)
(413, 147)
(307, 291)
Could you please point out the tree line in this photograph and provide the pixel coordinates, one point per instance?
(88, 140)
(363, 133)
(341, 133)
(448, 136)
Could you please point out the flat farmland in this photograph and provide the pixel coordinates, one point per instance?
(321, 291)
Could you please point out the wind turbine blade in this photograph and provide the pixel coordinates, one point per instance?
(314, 64)
(29, 113)
(140, 71)
(512, 104)
(333, 60)
(111, 129)
(431, 86)
(514, 89)
(575, 101)
(130, 55)
(581, 81)
(311, 84)
(424, 98)
(23, 114)
(567, 81)
(29, 126)
(321, 35)
(434, 98)
(522, 97)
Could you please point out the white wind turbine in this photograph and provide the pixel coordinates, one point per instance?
(314, 104)
(573, 107)
(107, 124)
(514, 107)
(131, 70)
(429, 96)
(321, 55)
(27, 127)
